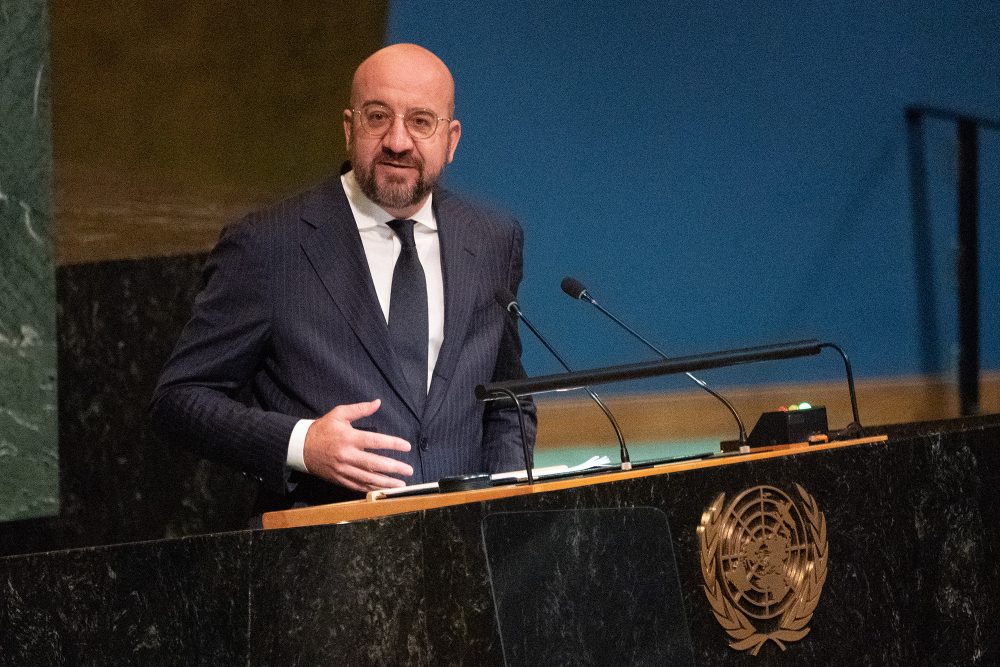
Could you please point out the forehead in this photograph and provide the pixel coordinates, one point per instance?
(403, 85)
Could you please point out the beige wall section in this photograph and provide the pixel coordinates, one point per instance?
(695, 414)
(170, 117)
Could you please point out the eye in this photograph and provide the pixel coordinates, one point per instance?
(423, 120)
(377, 116)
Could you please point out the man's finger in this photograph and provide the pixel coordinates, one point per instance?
(374, 463)
(371, 440)
(353, 411)
(375, 481)
(364, 477)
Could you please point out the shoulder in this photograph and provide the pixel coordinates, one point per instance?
(279, 218)
(455, 208)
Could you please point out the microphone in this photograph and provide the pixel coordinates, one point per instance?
(509, 302)
(575, 289)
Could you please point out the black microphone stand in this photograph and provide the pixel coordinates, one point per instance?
(513, 308)
(575, 289)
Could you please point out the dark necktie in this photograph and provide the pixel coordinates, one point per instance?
(408, 313)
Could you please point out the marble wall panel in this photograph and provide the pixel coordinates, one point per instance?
(180, 602)
(596, 584)
(460, 616)
(28, 451)
(346, 595)
(120, 483)
(913, 573)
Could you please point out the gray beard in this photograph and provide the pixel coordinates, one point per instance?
(393, 195)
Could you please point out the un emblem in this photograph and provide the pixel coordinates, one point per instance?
(764, 561)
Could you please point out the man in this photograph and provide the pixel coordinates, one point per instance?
(338, 336)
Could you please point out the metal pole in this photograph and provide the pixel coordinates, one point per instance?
(968, 266)
(923, 251)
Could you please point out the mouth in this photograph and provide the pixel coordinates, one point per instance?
(393, 165)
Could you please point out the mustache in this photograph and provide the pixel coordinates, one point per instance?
(405, 158)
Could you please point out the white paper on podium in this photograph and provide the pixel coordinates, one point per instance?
(519, 475)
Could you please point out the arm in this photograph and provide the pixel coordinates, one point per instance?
(201, 397)
(196, 401)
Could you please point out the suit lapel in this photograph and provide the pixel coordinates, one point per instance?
(458, 264)
(334, 249)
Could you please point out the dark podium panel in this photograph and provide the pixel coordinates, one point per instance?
(586, 586)
(895, 547)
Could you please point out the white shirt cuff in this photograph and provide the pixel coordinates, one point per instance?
(297, 446)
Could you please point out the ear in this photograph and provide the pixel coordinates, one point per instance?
(348, 127)
(454, 134)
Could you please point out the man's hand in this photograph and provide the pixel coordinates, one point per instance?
(336, 451)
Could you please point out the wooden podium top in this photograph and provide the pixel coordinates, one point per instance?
(357, 510)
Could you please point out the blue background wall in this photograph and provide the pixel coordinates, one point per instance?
(725, 174)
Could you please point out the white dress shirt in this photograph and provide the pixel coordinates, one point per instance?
(382, 248)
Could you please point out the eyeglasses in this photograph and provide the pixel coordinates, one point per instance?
(377, 119)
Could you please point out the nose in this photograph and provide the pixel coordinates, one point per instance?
(398, 138)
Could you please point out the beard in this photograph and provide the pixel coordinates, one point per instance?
(393, 192)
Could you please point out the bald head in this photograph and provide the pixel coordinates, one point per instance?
(405, 67)
(398, 163)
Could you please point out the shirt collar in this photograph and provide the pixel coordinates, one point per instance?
(368, 214)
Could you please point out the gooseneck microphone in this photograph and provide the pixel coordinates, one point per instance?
(509, 302)
(575, 289)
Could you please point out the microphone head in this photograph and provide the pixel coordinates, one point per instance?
(506, 299)
(573, 287)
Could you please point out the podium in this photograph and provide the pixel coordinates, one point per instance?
(880, 551)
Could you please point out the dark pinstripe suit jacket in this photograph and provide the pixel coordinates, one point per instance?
(287, 325)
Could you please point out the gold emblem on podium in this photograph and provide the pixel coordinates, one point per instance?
(764, 560)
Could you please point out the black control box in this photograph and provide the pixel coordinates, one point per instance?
(783, 427)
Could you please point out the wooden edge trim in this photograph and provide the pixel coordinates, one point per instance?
(357, 510)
